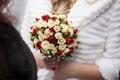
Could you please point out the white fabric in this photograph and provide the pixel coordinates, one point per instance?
(99, 34)
(17, 10)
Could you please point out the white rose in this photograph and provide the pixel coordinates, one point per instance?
(52, 46)
(54, 50)
(57, 22)
(61, 41)
(66, 50)
(47, 31)
(64, 27)
(57, 28)
(45, 36)
(43, 24)
(62, 47)
(70, 24)
(45, 51)
(50, 14)
(51, 23)
(40, 38)
(58, 35)
(45, 45)
(35, 41)
(73, 44)
(37, 24)
(40, 33)
(71, 31)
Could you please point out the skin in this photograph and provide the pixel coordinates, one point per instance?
(68, 69)
(39, 60)
(44, 62)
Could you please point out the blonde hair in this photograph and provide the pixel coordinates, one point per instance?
(62, 6)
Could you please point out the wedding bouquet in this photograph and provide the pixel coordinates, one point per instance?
(54, 36)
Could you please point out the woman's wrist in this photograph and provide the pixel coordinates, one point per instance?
(69, 69)
(83, 71)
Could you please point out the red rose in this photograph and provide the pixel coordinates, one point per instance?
(54, 18)
(69, 41)
(51, 39)
(52, 29)
(75, 31)
(59, 53)
(35, 30)
(37, 19)
(71, 50)
(45, 17)
(38, 44)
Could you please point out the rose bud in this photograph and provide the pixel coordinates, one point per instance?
(35, 30)
(37, 19)
(54, 18)
(38, 44)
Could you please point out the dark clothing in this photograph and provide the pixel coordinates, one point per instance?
(16, 59)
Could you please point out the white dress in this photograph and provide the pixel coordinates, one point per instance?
(99, 34)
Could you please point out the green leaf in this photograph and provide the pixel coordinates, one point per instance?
(75, 36)
(64, 35)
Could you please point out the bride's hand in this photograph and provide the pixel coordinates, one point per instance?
(49, 62)
(63, 70)
(43, 62)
